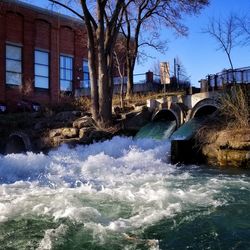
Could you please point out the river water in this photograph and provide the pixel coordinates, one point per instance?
(120, 194)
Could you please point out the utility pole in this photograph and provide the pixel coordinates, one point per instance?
(175, 68)
(178, 75)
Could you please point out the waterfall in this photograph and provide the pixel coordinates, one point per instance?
(157, 130)
(188, 129)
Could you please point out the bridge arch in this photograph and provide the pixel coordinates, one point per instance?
(204, 107)
(18, 142)
(174, 112)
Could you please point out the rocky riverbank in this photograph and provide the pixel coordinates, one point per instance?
(228, 148)
(39, 132)
(217, 145)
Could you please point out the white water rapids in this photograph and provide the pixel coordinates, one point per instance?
(116, 187)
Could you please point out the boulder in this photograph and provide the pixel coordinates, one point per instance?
(236, 139)
(70, 132)
(56, 141)
(230, 148)
(84, 132)
(84, 121)
(55, 132)
(99, 135)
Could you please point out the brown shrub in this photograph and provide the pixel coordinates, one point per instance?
(234, 105)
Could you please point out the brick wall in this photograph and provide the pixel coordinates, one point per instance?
(34, 28)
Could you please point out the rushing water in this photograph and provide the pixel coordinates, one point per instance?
(157, 130)
(188, 129)
(120, 194)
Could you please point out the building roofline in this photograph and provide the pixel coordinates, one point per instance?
(43, 10)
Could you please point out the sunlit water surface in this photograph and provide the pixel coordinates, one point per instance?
(120, 194)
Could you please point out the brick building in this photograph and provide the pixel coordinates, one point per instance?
(42, 54)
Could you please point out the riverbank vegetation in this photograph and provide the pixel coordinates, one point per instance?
(224, 139)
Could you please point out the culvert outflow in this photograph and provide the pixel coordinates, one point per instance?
(205, 111)
(164, 115)
(18, 142)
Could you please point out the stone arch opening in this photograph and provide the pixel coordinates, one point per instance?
(18, 143)
(204, 107)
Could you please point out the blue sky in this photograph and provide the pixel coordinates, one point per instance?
(198, 51)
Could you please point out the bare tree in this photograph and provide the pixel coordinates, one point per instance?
(143, 20)
(102, 19)
(120, 65)
(244, 27)
(226, 34)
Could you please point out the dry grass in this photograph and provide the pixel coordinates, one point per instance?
(83, 103)
(233, 114)
(234, 105)
(208, 132)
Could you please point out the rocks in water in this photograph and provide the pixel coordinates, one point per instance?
(84, 132)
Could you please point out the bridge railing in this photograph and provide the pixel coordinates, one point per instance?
(218, 80)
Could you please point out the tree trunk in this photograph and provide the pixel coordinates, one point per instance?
(121, 90)
(231, 64)
(130, 81)
(94, 84)
(105, 100)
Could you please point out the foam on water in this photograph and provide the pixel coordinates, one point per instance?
(113, 187)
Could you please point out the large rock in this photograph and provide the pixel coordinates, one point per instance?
(55, 132)
(229, 148)
(84, 121)
(70, 132)
(99, 135)
(84, 132)
(64, 132)
(236, 139)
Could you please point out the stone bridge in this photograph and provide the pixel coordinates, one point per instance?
(183, 108)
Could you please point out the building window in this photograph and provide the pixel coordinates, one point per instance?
(13, 65)
(41, 69)
(86, 80)
(66, 73)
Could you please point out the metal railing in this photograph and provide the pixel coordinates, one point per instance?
(240, 75)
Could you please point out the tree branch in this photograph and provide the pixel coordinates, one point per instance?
(67, 7)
